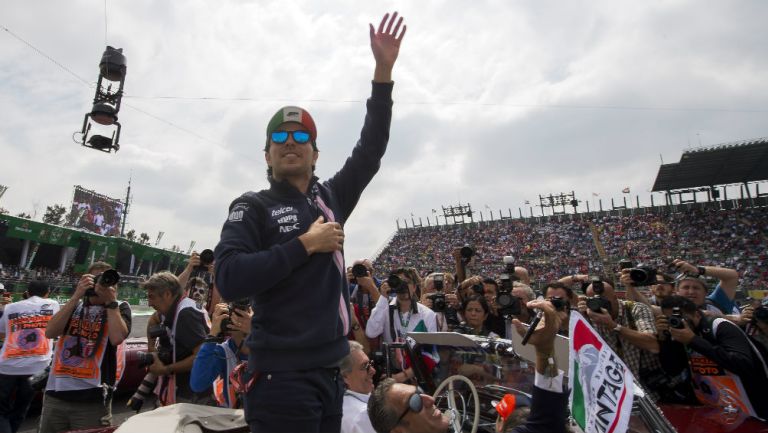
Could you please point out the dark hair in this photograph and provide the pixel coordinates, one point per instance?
(489, 280)
(477, 298)
(669, 279)
(38, 288)
(382, 415)
(683, 303)
(559, 285)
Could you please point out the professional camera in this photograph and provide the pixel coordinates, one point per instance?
(625, 264)
(559, 303)
(438, 299)
(676, 320)
(509, 267)
(164, 354)
(396, 284)
(597, 302)
(761, 312)
(509, 305)
(643, 275)
(108, 278)
(466, 253)
(240, 304)
(359, 270)
(206, 258)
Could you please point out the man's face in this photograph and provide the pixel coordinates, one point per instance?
(609, 294)
(662, 289)
(428, 420)
(290, 158)
(360, 379)
(160, 302)
(693, 290)
(557, 292)
(489, 291)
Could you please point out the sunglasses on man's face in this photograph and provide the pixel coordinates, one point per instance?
(415, 405)
(280, 137)
(367, 366)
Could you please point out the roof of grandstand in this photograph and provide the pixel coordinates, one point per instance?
(723, 164)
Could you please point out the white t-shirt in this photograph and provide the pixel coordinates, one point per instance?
(26, 350)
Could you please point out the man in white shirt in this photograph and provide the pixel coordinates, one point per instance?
(26, 352)
(357, 371)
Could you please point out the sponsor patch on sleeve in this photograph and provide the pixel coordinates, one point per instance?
(237, 212)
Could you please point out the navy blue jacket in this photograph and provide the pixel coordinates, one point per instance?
(300, 302)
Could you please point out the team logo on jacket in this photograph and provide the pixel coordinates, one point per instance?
(286, 218)
(237, 212)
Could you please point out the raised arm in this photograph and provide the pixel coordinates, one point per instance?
(385, 45)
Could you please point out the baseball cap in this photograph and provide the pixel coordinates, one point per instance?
(292, 114)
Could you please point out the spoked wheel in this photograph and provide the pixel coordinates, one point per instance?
(457, 404)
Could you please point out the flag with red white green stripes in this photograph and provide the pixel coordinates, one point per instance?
(602, 386)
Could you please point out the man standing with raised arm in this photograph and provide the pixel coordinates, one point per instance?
(282, 248)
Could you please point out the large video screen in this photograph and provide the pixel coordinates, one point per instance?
(95, 212)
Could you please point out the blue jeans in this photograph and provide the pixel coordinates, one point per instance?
(15, 398)
(301, 401)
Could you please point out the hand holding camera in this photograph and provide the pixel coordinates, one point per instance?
(220, 312)
(685, 267)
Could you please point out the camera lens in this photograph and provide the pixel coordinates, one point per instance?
(359, 270)
(467, 252)
(206, 257)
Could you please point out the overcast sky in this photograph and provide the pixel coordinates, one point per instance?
(495, 101)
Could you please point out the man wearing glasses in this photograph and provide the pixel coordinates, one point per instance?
(400, 408)
(357, 371)
(283, 248)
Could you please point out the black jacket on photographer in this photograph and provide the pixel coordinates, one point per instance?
(300, 302)
(722, 345)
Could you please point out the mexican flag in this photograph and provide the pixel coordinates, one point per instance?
(601, 385)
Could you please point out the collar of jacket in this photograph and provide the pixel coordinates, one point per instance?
(285, 187)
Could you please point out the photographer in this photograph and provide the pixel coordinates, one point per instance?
(628, 328)
(563, 299)
(664, 287)
(495, 323)
(394, 320)
(443, 302)
(197, 279)
(222, 351)
(728, 370)
(89, 357)
(754, 319)
(183, 328)
(721, 301)
(364, 288)
(26, 352)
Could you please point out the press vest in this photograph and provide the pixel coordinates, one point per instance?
(80, 352)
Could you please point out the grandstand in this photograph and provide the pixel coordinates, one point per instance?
(723, 231)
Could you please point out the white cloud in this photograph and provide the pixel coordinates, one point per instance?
(495, 102)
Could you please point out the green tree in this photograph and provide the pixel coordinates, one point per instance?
(54, 214)
(24, 215)
(144, 239)
(3, 211)
(131, 235)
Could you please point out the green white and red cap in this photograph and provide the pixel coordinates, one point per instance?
(292, 114)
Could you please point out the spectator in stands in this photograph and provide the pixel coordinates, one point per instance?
(216, 360)
(475, 311)
(628, 327)
(176, 350)
(86, 365)
(25, 352)
(358, 372)
(394, 320)
(738, 363)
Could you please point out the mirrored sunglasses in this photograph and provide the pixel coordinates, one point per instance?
(415, 404)
(280, 137)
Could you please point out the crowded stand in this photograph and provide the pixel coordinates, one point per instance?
(552, 247)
